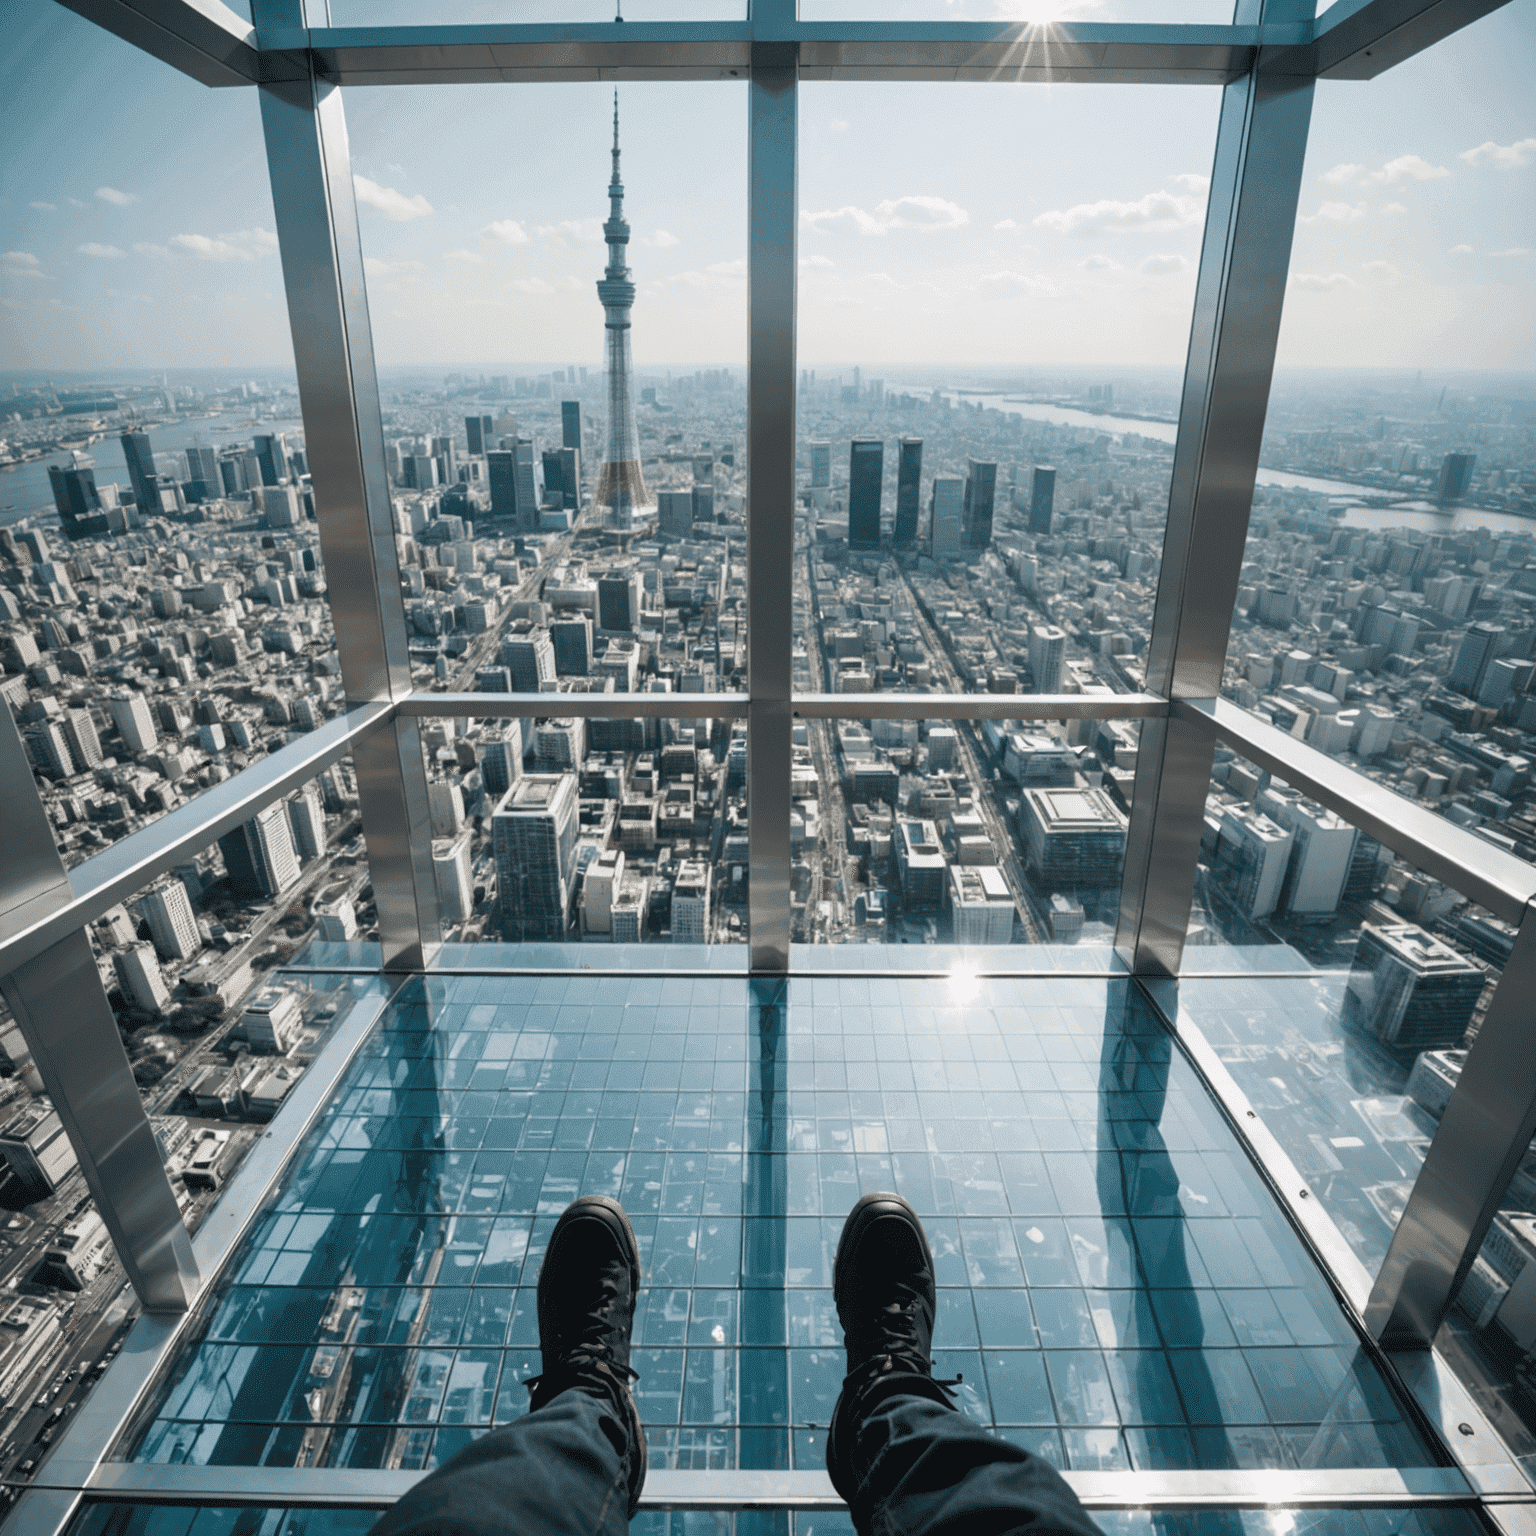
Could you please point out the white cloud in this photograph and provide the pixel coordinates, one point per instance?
(1314, 282)
(1394, 208)
(1507, 157)
(569, 231)
(916, 211)
(534, 285)
(1193, 183)
(116, 198)
(1461, 250)
(737, 268)
(505, 232)
(1336, 213)
(242, 245)
(462, 255)
(1006, 224)
(44, 207)
(1382, 270)
(817, 263)
(837, 125)
(1403, 168)
(1514, 250)
(660, 239)
(376, 268)
(1100, 263)
(1155, 212)
(393, 204)
(20, 264)
(1036, 287)
(1164, 266)
(91, 248)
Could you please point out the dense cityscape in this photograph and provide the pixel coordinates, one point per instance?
(583, 528)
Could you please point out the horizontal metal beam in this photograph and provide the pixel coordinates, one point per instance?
(1483, 873)
(1359, 39)
(201, 38)
(130, 865)
(938, 50)
(980, 706)
(1348, 1487)
(575, 706)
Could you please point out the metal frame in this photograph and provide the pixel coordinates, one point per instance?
(1266, 64)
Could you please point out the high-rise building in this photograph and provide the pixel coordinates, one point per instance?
(570, 424)
(172, 924)
(81, 513)
(980, 494)
(530, 658)
(501, 759)
(909, 472)
(1478, 647)
(84, 743)
(599, 888)
(1047, 657)
(203, 472)
(1252, 856)
(821, 466)
(920, 865)
(1409, 990)
(271, 450)
(453, 876)
(49, 747)
(35, 1146)
(554, 479)
(134, 722)
(571, 637)
(620, 484)
(1073, 838)
(946, 515)
(306, 818)
(259, 854)
(1322, 851)
(981, 904)
(138, 973)
(445, 808)
(477, 434)
(1455, 476)
(141, 472)
(570, 477)
(690, 903)
(533, 834)
(514, 494)
(866, 468)
(674, 512)
(618, 601)
(1042, 497)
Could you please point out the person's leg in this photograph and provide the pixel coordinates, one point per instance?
(907, 1462)
(575, 1463)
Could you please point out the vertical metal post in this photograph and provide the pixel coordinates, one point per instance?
(773, 181)
(1485, 1131)
(316, 212)
(62, 1010)
(1244, 263)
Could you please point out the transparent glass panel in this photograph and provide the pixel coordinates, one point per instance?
(1384, 613)
(990, 372)
(527, 563)
(961, 832)
(1117, 1286)
(1038, 16)
(558, 830)
(407, 13)
(1339, 986)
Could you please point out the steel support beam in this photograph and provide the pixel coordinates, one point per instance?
(1255, 184)
(61, 1008)
(1485, 1131)
(201, 38)
(1360, 39)
(980, 706)
(312, 197)
(771, 243)
(580, 706)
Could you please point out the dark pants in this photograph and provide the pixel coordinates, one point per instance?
(918, 1467)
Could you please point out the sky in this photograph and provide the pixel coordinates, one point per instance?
(1009, 226)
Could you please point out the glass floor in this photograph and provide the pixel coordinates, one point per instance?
(1118, 1287)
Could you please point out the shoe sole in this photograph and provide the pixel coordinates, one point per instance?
(866, 1210)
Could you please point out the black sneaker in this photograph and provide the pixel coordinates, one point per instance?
(882, 1281)
(587, 1291)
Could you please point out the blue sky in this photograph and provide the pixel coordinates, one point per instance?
(1030, 225)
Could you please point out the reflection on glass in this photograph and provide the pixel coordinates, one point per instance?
(1117, 1286)
(561, 829)
(960, 832)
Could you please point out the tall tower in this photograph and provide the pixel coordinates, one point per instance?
(620, 485)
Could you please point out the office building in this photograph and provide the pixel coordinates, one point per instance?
(1322, 852)
(570, 478)
(1409, 990)
(84, 743)
(981, 905)
(271, 450)
(570, 424)
(821, 466)
(599, 889)
(29, 1335)
(445, 805)
(510, 479)
(335, 921)
(452, 874)
(80, 1250)
(554, 479)
(1252, 856)
(946, 515)
(674, 512)
(501, 758)
(533, 834)
(920, 865)
(1047, 657)
(618, 601)
(306, 818)
(866, 468)
(271, 1022)
(135, 724)
(38, 1151)
(1455, 478)
(1042, 497)
(530, 658)
(81, 512)
(141, 472)
(172, 923)
(909, 473)
(980, 495)
(690, 903)
(630, 910)
(203, 473)
(1477, 648)
(1074, 839)
(138, 974)
(259, 855)
(478, 434)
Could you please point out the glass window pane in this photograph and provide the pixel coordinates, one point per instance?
(990, 375)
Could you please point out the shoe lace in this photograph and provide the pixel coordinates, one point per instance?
(590, 1354)
(901, 1344)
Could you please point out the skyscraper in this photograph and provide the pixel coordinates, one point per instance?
(1409, 990)
(1047, 657)
(1476, 650)
(141, 472)
(271, 450)
(203, 473)
(821, 465)
(1455, 476)
(533, 833)
(570, 424)
(78, 501)
(259, 856)
(866, 466)
(620, 485)
(477, 434)
(134, 723)
(513, 493)
(980, 492)
(618, 601)
(172, 925)
(909, 471)
(946, 504)
(1042, 496)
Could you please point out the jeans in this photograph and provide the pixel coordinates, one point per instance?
(915, 1466)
